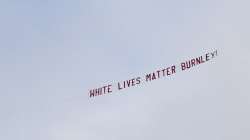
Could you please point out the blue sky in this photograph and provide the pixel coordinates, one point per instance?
(53, 52)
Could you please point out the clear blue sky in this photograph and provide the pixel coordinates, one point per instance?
(53, 52)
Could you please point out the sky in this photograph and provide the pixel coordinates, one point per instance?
(53, 52)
